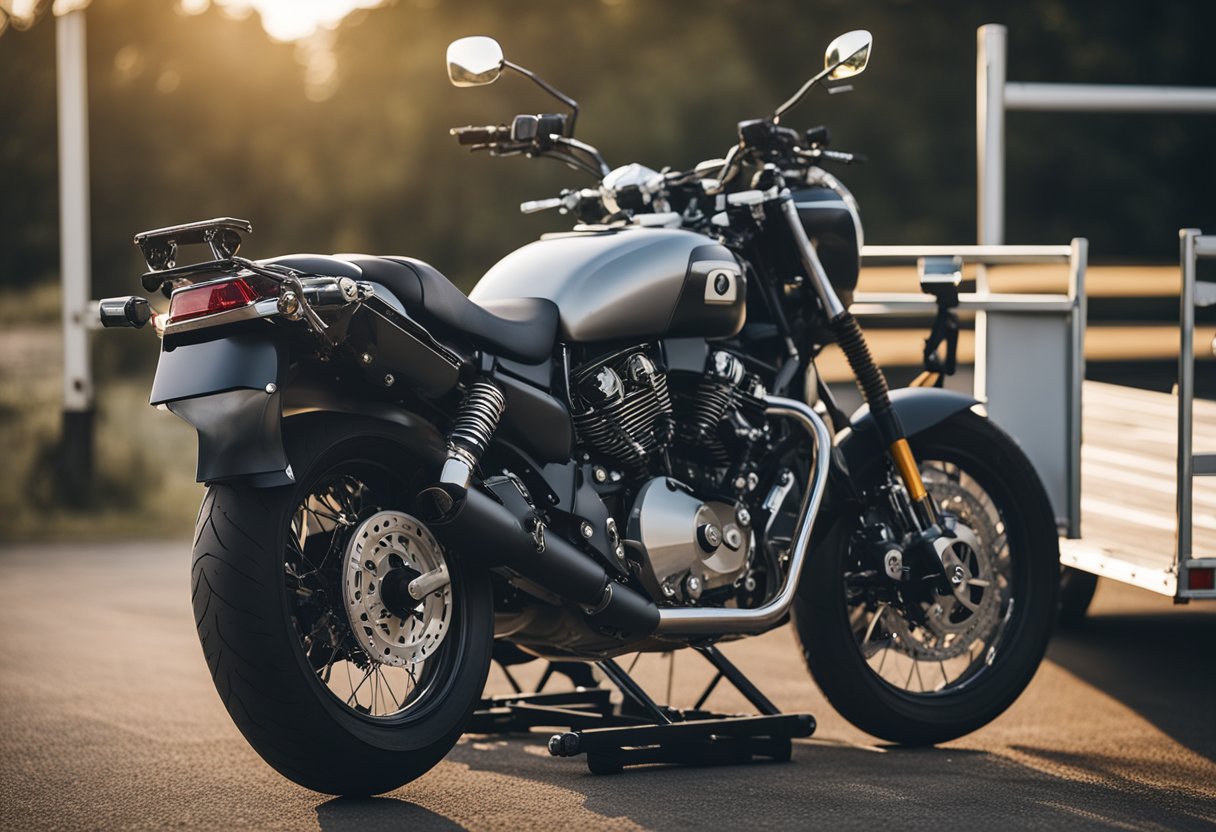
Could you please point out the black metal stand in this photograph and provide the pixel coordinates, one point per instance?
(640, 731)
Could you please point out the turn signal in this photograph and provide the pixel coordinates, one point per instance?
(210, 298)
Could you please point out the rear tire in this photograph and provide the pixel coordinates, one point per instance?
(249, 627)
(833, 651)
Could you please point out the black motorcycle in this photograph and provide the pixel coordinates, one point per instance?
(617, 443)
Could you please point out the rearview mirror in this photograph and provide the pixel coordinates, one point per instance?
(474, 61)
(846, 56)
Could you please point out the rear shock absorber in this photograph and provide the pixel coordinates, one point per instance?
(476, 420)
(870, 378)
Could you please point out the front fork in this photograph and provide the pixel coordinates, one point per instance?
(869, 377)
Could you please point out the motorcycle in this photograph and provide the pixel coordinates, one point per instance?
(616, 443)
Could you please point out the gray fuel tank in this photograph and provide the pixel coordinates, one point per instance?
(626, 283)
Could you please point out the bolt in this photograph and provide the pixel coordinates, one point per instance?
(749, 583)
(894, 563)
(786, 476)
(733, 538)
(389, 380)
(289, 304)
(744, 517)
(366, 358)
(753, 479)
(668, 591)
(270, 388)
(692, 585)
(740, 483)
(599, 473)
(586, 529)
(957, 576)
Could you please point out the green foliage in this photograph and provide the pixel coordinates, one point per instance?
(202, 116)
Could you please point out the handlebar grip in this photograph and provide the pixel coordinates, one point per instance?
(535, 205)
(481, 135)
(845, 158)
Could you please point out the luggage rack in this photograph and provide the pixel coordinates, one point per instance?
(640, 731)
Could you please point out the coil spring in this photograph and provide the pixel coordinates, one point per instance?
(477, 418)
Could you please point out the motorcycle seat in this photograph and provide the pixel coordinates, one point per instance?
(523, 329)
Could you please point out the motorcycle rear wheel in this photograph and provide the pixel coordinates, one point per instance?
(295, 678)
(842, 638)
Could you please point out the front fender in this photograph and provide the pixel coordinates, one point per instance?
(918, 408)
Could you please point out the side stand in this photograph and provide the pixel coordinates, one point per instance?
(642, 732)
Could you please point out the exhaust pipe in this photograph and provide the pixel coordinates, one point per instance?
(720, 621)
(490, 534)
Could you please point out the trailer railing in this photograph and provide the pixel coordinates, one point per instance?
(1029, 354)
(1195, 575)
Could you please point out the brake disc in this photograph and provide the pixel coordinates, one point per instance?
(397, 589)
(955, 621)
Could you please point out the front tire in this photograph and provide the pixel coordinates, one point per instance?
(289, 691)
(859, 657)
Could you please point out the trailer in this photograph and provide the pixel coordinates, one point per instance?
(1131, 494)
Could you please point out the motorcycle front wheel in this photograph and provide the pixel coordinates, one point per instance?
(954, 663)
(333, 672)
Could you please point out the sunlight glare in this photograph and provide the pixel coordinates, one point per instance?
(286, 20)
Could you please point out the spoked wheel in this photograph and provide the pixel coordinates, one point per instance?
(918, 661)
(348, 645)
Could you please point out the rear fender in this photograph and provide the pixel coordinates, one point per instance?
(236, 394)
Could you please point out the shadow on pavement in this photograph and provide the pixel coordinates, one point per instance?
(838, 786)
(372, 814)
(1119, 653)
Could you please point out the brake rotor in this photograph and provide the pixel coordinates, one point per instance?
(955, 621)
(397, 589)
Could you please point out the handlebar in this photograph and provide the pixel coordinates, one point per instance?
(488, 134)
(823, 154)
(535, 206)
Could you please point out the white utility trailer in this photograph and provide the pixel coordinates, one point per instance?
(1119, 464)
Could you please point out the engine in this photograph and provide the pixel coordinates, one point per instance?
(687, 458)
(622, 408)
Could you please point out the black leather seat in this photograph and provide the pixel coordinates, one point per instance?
(523, 329)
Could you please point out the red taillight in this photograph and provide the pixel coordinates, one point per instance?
(1200, 578)
(208, 299)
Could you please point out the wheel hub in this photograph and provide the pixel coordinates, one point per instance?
(954, 620)
(388, 552)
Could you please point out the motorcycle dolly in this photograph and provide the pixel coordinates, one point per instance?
(640, 731)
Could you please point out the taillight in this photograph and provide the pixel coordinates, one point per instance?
(196, 301)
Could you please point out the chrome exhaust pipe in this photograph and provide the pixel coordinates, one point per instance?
(707, 621)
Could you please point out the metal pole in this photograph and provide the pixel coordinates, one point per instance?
(990, 172)
(1109, 98)
(76, 450)
(1186, 381)
(990, 132)
(1077, 261)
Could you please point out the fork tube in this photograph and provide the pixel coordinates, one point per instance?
(870, 378)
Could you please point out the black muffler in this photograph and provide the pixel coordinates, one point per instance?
(490, 534)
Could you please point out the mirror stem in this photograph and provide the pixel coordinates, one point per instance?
(553, 91)
(802, 91)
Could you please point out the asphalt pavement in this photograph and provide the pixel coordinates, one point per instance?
(108, 720)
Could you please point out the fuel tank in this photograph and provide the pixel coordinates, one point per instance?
(626, 283)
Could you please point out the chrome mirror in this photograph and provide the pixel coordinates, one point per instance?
(474, 61)
(846, 56)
